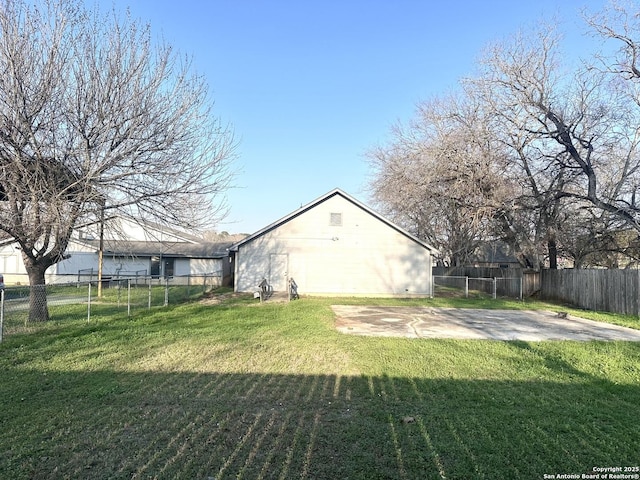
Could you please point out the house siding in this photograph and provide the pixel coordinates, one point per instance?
(111, 265)
(129, 249)
(11, 265)
(358, 255)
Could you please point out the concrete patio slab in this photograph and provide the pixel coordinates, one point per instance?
(463, 323)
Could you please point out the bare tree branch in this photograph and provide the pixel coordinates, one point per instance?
(94, 113)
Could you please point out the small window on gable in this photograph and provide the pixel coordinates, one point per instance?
(335, 219)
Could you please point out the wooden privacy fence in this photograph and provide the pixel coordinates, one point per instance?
(615, 291)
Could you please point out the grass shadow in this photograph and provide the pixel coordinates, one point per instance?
(107, 424)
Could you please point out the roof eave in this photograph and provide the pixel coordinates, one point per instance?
(326, 196)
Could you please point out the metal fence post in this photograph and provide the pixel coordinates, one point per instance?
(89, 303)
(495, 288)
(149, 300)
(166, 291)
(521, 288)
(466, 287)
(128, 297)
(1, 313)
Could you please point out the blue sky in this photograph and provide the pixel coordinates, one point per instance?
(310, 86)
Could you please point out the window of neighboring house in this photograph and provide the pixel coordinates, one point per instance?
(162, 269)
(335, 219)
(155, 267)
(168, 267)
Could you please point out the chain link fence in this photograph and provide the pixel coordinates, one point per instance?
(450, 285)
(24, 308)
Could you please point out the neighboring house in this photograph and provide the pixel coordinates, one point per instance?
(130, 249)
(335, 245)
(495, 254)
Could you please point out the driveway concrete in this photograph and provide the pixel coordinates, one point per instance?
(463, 323)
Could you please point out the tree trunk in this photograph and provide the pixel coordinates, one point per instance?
(38, 309)
(553, 254)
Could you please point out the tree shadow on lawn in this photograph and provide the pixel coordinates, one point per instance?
(108, 424)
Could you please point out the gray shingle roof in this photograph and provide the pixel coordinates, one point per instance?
(166, 249)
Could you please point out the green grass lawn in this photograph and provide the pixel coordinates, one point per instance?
(243, 390)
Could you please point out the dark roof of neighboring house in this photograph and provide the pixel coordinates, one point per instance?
(165, 249)
(318, 201)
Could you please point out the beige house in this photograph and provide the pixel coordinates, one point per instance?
(335, 245)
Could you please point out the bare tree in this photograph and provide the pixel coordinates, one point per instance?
(616, 23)
(601, 240)
(569, 132)
(94, 116)
(439, 177)
(581, 128)
(562, 137)
(489, 164)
